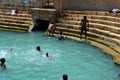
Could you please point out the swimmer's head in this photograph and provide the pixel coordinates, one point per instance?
(47, 54)
(38, 48)
(65, 77)
(2, 60)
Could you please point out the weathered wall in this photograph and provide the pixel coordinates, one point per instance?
(91, 4)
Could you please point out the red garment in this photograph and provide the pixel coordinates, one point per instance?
(16, 11)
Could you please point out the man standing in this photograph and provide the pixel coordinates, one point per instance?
(84, 26)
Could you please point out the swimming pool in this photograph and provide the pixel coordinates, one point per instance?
(80, 61)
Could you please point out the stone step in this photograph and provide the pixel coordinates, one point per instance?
(103, 13)
(92, 34)
(93, 25)
(13, 27)
(105, 22)
(77, 22)
(16, 18)
(19, 14)
(105, 33)
(14, 24)
(69, 26)
(15, 21)
(106, 27)
(95, 39)
(79, 16)
(94, 30)
(68, 30)
(108, 44)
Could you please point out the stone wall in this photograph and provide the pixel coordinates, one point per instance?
(91, 4)
(43, 14)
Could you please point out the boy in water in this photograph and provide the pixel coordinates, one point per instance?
(65, 77)
(39, 50)
(60, 36)
(84, 26)
(3, 66)
(51, 29)
(49, 57)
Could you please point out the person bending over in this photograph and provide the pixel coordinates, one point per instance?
(3, 66)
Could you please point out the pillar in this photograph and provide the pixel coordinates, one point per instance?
(59, 4)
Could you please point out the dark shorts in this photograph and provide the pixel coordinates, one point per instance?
(83, 28)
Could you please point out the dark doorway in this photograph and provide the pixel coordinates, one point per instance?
(41, 25)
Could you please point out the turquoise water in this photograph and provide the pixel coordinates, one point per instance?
(80, 61)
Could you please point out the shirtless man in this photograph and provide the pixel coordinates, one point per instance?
(84, 26)
(51, 29)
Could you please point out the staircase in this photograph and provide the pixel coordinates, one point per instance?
(17, 23)
(104, 30)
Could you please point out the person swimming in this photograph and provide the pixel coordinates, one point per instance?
(65, 77)
(38, 48)
(47, 55)
(3, 66)
(60, 37)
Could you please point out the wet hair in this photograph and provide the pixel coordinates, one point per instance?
(47, 54)
(38, 48)
(2, 60)
(85, 17)
(65, 77)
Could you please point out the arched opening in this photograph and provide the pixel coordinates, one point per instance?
(41, 25)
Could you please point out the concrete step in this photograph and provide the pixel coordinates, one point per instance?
(105, 33)
(92, 25)
(69, 26)
(77, 22)
(13, 27)
(15, 21)
(102, 13)
(105, 27)
(14, 24)
(12, 30)
(108, 44)
(79, 16)
(92, 34)
(19, 14)
(16, 18)
(94, 30)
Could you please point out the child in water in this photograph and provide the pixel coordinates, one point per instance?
(49, 57)
(39, 50)
(60, 37)
(3, 66)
